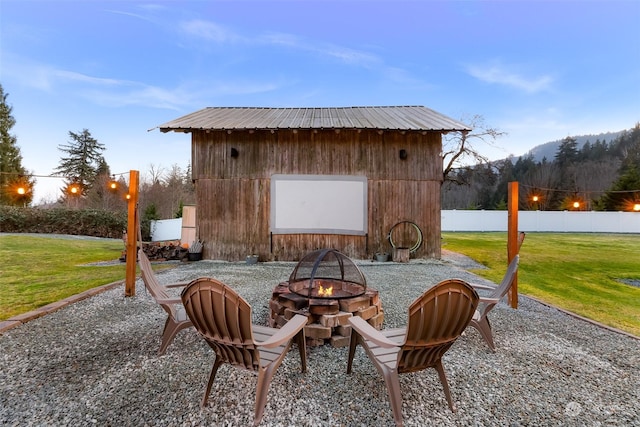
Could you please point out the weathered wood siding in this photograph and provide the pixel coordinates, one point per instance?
(233, 193)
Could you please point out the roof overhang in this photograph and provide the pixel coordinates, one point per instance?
(399, 118)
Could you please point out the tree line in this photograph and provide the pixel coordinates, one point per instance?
(600, 175)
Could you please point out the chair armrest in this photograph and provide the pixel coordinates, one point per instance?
(286, 333)
(176, 300)
(479, 286)
(490, 300)
(177, 285)
(370, 333)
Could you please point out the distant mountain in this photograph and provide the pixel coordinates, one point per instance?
(550, 149)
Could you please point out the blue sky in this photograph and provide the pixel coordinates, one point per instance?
(537, 70)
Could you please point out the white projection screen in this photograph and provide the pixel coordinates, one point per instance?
(322, 204)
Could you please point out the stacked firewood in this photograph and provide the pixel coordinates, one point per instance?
(162, 251)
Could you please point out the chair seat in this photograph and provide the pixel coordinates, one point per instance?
(267, 355)
(181, 314)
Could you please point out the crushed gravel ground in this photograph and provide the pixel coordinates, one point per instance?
(95, 363)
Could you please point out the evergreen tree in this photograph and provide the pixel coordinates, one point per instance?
(566, 158)
(15, 184)
(567, 153)
(625, 191)
(84, 160)
(100, 195)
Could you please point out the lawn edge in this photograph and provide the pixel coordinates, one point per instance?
(20, 319)
(586, 319)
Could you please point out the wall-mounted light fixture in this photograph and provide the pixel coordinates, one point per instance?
(403, 154)
(234, 153)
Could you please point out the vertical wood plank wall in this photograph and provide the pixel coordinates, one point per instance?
(233, 193)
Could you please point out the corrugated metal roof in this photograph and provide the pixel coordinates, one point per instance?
(245, 118)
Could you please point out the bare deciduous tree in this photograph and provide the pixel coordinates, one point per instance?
(459, 148)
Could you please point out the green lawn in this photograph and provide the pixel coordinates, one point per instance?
(577, 272)
(36, 271)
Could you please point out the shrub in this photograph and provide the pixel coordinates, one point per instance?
(88, 222)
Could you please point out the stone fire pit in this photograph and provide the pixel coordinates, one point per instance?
(328, 288)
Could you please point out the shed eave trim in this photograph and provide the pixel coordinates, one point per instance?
(187, 130)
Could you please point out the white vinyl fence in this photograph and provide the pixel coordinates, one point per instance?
(543, 221)
(471, 220)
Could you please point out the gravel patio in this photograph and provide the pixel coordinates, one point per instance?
(94, 362)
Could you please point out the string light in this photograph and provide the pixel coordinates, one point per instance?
(73, 189)
(578, 200)
(113, 184)
(560, 190)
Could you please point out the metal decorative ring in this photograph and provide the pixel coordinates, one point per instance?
(418, 242)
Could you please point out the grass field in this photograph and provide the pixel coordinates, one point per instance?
(578, 272)
(36, 271)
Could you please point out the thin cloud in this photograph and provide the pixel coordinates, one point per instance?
(140, 95)
(208, 31)
(499, 74)
(131, 15)
(183, 96)
(71, 76)
(113, 92)
(344, 54)
(219, 34)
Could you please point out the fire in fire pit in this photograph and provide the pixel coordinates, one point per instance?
(327, 273)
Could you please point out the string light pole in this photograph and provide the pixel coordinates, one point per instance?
(514, 239)
(132, 234)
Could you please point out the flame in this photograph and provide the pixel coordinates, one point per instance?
(325, 292)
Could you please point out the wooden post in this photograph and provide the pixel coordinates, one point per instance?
(513, 246)
(132, 235)
(400, 255)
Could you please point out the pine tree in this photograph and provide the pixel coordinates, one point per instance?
(625, 191)
(13, 176)
(84, 160)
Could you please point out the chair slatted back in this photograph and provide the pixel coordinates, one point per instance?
(501, 290)
(154, 287)
(223, 318)
(436, 320)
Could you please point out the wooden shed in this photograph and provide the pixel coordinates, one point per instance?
(281, 182)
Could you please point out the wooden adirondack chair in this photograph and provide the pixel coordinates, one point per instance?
(176, 316)
(480, 319)
(436, 320)
(223, 319)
